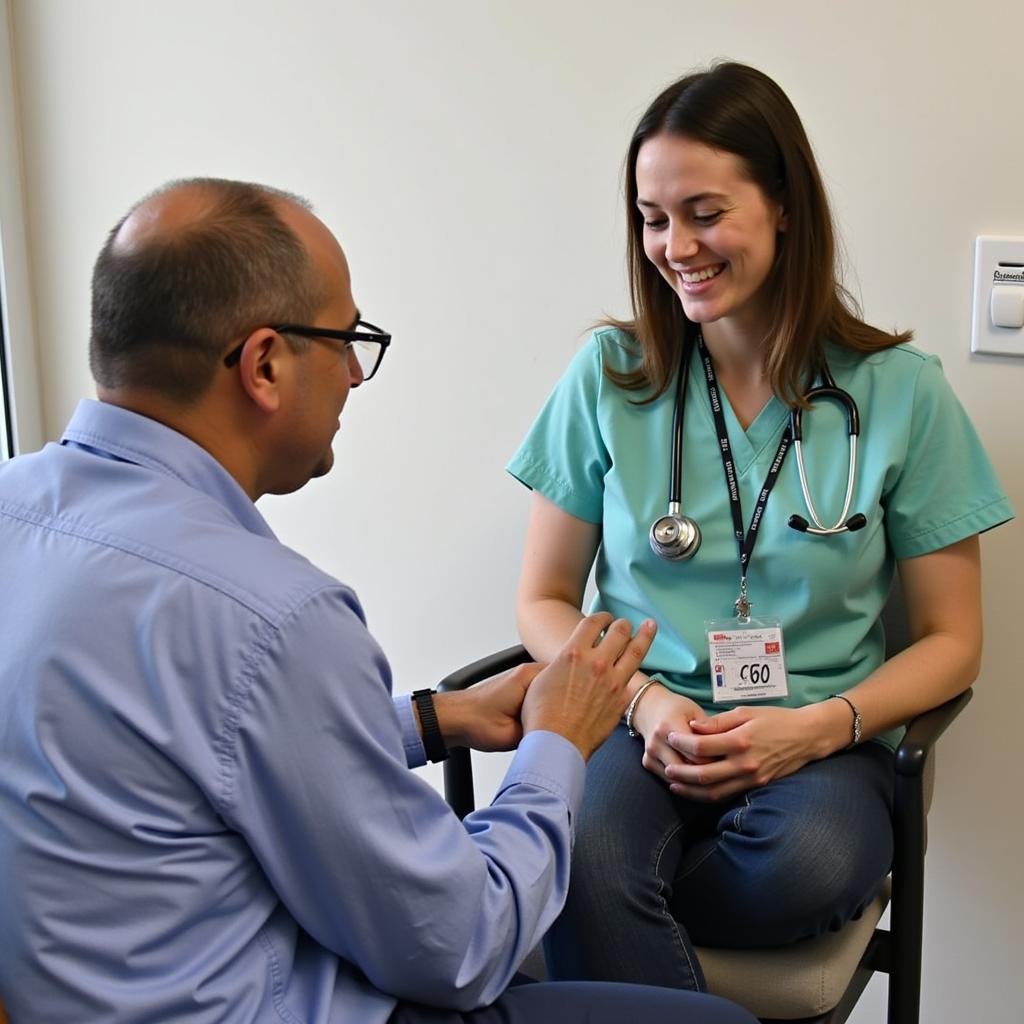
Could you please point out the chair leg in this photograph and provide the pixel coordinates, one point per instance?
(458, 781)
(907, 907)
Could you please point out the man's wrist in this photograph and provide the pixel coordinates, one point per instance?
(453, 717)
(430, 726)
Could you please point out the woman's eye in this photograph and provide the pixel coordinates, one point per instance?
(707, 218)
(655, 223)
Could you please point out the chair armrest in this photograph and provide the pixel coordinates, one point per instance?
(483, 669)
(923, 733)
(909, 797)
(458, 769)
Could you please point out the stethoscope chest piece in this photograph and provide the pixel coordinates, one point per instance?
(675, 537)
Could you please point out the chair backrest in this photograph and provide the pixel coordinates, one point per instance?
(897, 637)
(895, 621)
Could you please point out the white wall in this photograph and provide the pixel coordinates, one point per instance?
(468, 154)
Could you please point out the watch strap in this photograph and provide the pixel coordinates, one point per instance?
(433, 741)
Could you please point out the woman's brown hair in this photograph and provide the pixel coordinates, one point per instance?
(737, 109)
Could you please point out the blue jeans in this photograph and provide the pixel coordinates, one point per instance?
(653, 874)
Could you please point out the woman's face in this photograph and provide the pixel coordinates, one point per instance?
(708, 229)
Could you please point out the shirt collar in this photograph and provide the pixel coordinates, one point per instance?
(128, 436)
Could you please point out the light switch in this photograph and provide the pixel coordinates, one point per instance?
(1008, 306)
(998, 322)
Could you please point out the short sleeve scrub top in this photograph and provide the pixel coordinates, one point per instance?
(923, 482)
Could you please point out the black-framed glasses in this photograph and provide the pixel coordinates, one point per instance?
(368, 346)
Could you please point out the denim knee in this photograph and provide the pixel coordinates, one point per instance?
(794, 859)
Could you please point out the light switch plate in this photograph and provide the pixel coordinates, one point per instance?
(996, 255)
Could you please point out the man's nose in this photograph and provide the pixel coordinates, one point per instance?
(355, 370)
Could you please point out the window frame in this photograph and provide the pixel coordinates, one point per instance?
(6, 421)
(21, 427)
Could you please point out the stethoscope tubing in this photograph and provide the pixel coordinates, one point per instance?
(675, 483)
(673, 536)
(845, 523)
(840, 526)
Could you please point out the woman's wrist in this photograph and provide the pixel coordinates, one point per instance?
(659, 705)
(635, 682)
(639, 694)
(830, 726)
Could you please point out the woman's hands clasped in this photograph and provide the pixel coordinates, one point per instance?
(660, 714)
(710, 757)
(741, 749)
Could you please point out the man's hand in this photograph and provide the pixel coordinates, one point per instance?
(741, 749)
(582, 694)
(486, 716)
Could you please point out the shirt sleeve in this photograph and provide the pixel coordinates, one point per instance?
(412, 742)
(365, 855)
(946, 489)
(564, 456)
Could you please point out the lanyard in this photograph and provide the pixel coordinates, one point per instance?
(746, 543)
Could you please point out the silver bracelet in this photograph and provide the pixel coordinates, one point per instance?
(856, 718)
(631, 710)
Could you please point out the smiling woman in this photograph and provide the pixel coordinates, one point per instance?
(710, 231)
(742, 770)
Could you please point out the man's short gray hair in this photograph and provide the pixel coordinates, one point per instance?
(165, 310)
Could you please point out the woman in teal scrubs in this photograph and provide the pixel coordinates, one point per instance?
(749, 801)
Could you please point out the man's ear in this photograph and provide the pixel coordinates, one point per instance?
(261, 367)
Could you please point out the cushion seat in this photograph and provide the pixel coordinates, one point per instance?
(798, 981)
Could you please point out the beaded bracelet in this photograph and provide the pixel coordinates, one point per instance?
(856, 718)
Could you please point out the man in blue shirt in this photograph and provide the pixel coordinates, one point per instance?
(206, 812)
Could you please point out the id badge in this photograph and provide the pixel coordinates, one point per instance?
(747, 660)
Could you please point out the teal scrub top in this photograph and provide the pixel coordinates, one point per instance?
(923, 481)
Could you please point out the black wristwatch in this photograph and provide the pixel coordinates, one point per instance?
(433, 741)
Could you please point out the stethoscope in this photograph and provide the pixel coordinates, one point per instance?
(676, 537)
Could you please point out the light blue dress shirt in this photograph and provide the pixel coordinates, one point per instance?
(206, 812)
(923, 481)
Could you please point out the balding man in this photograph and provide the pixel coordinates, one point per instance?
(206, 812)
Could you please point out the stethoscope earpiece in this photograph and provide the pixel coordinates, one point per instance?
(856, 522)
(798, 523)
(675, 537)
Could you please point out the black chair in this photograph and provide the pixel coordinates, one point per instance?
(817, 981)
